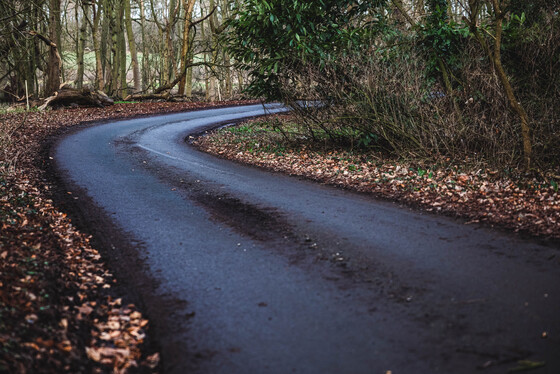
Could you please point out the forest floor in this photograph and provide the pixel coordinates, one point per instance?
(474, 192)
(61, 310)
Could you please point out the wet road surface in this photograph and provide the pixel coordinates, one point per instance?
(257, 272)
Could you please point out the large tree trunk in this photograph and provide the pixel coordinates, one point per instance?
(117, 49)
(189, 81)
(188, 6)
(82, 44)
(132, 46)
(54, 62)
(74, 98)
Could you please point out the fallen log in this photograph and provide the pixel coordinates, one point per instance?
(150, 96)
(72, 97)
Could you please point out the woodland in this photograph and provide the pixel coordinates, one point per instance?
(119, 47)
(451, 106)
(417, 78)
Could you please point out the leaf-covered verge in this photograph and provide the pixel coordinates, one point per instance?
(472, 191)
(59, 311)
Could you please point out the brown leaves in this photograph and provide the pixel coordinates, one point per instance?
(116, 340)
(478, 196)
(30, 284)
(52, 282)
(51, 279)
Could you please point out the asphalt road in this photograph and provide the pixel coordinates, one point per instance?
(247, 271)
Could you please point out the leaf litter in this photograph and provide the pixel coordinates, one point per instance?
(58, 308)
(479, 195)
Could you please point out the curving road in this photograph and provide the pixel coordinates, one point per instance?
(256, 272)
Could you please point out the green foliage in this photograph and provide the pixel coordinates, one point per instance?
(375, 75)
(535, 10)
(247, 129)
(441, 39)
(275, 40)
(367, 139)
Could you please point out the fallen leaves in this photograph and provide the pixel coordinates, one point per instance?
(30, 285)
(56, 305)
(526, 205)
(124, 327)
(51, 291)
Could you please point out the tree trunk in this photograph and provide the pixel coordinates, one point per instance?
(116, 56)
(170, 36)
(240, 81)
(214, 91)
(206, 74)
(162, 59)
(107, 44)
(99, 79)
(73, 97)
(58, 39)
(225, 57)
(229, 79)
(189, 82)
(54, 62)
(123, 84)
(82, 45)
(495, 58)
(132, 46)
(145, 78)
(188, 6)
(77, 39)
(166, 55)
(118, 50)
(513, 102)
(162, 52)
